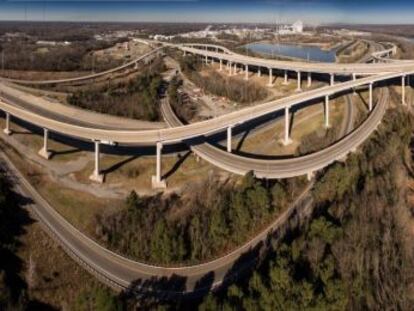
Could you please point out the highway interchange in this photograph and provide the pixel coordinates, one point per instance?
(120, 272)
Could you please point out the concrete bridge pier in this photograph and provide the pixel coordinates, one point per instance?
(221, 65)
(299, 88)
(157, 183)
(259, 72)
(229, 134)
(403, 90)
(370, 97)
(7, 130)
(354, 78)
(310, 175)
(96, 175)
(332, 79)
(270, 84)
(235, 69)
(206, 60)
(246, 72)
(309, 79)
(285, 81)
(230, 66)
(286, 141)
(327, 111)
(44, 152)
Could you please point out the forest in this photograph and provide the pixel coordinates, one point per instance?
(210, 219)
(355, 253)
(25, 54)
(136, 98)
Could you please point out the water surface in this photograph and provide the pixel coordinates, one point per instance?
(311, 53)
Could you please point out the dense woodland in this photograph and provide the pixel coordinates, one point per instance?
(355, 254)
(136, 99)
(209, 219)
(234, 89)
(12, 221)
(15, 279)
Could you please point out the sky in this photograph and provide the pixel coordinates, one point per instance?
(212, 11)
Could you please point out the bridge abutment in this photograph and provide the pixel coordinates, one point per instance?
(96, 175)
(327, 125)
(157, 183)
(44, 152)
(229, 139)
(246, 72)
(370, 97)
(270, 84)
(287, 141)
(7, 130)
(299, 87)
(285, 79)
(403, 90)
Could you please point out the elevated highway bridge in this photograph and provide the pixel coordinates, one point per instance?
(124, 274)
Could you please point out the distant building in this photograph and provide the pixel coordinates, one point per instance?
(295, 28)
(162, 38)
(53, 43)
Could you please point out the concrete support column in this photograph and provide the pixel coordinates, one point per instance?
(270, 77)
(7, 130)
(299, 88)
(332, 79)
(286, 82)
(235, 69)
(229, 134)
(370, 97)
(354, 78)
(221, 65)
(44, 152)
(287, 140)
(157, 183)
(206, 60)
(309, 79)
(246, 72)
(259, 72)
(327, 111)
(230, 65)
(403, 90)
(96, 175)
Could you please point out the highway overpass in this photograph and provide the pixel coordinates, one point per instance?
(122, 273)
